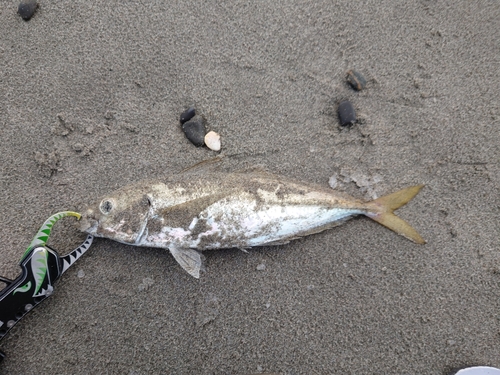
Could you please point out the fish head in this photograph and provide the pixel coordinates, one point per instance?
(122, 216)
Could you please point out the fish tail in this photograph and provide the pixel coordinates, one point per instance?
(381, 210)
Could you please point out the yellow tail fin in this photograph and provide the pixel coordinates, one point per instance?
(382, 212)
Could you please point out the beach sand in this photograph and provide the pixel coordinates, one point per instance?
(90, 98)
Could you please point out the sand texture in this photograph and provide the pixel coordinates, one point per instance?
(90, 97)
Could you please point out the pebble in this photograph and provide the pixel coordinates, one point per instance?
(187, 115)
(212, 140)
(333, 182)
(78, 147)
(80, 274)
(261, 267)
(347, 115)
(27, 9)
(146, 283)
(356, 80)
(194, 130)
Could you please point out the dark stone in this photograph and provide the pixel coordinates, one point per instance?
(194, 130)
(187, 115)
(27, 9)
(356, 80)
(347, 115)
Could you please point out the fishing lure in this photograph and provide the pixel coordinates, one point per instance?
(41, 266)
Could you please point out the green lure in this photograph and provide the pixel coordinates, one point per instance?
(44, 232)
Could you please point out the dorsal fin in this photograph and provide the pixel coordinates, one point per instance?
(203, 165)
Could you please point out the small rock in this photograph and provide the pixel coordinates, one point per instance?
(78, 147)
(109, 115)
(346, 175)
(356, 80)
(261, 267)
(27, 9)
(130, 127)
(347, 115)
(63, 127)
(333, 182)
(80, 274)
(187, 115)
(146, 283)
(194, 130)
(212, 140)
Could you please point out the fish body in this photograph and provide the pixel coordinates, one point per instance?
(188, 213)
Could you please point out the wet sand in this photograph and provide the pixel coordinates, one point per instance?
(90, 98)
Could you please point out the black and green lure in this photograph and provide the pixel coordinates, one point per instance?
(41, 267)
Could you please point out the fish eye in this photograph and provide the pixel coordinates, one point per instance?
(106, 206)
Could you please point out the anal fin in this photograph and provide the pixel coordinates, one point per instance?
(189, 259)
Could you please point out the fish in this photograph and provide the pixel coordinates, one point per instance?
(188, 213)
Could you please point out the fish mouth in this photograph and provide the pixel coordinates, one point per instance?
(92, 229)
(88, 223)
(89, 227)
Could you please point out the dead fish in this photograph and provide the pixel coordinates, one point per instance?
(188, 213)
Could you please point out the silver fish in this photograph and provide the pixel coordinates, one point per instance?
(188, 213)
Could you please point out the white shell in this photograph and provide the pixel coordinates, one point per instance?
(212, 140)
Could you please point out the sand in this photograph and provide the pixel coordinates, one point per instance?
(90, 98)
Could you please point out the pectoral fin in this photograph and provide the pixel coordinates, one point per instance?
(189, 259)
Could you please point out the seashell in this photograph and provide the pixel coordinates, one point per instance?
(212, 140)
